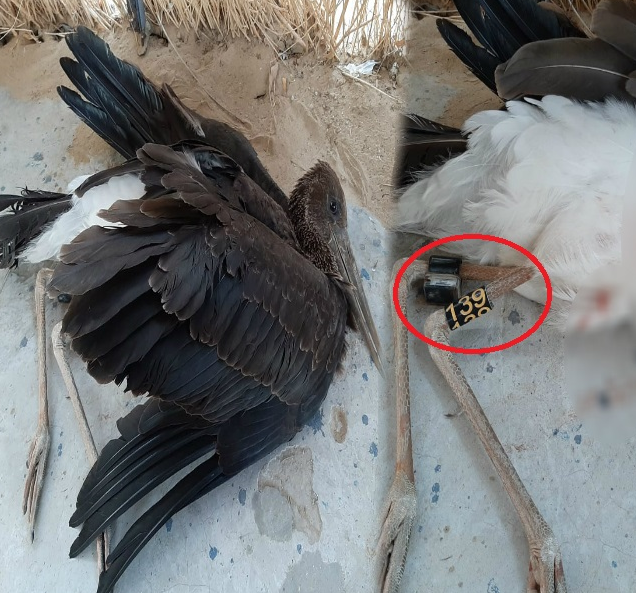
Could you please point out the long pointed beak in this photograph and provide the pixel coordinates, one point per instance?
(356, 296)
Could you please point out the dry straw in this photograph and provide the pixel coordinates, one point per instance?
(46, 14)
(333, 28)
(445, 6)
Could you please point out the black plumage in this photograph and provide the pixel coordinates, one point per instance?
(527, 49)
(479, 60)
(423, 144)
(502, 27)
(24, 218)
(127, 110)
(227, 310)
(531, 50)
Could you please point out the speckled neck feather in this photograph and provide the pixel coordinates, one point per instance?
(308, 188)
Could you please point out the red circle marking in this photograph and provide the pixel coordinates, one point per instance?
(465, 237)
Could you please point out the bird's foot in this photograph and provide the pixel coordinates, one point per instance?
(546, 573)
(143, 38)
(393, 542)
(36, 464)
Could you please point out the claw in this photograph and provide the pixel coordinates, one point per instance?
(393, 541)
(546, 573)
(36, 464)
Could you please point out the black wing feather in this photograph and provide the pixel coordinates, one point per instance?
(147, 452)
(471, 13)
(124, 86)
(506, 36)
(167, 463)
(503, 28)
(169, 305)
(583, 69)
(424, 144)
(202, 480)
(534, 21)
(127, 110)
(139, 430)
(29, 215)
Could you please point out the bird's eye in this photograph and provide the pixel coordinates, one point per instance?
(334, 207)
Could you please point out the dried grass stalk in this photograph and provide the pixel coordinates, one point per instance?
(45, 14)
(333, 28)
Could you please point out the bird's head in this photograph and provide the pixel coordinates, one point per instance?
(319, 214)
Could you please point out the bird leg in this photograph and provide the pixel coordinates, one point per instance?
(41, 442)
(400, 508)
(60, 349)
(546, 574)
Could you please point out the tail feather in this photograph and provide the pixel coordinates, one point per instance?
(203, 479)
(9, 201)
(29, 215)
(424, 144)
(477, 59)
(502, 27)
(29, 198)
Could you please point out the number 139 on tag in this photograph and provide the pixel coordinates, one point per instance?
(468, 308)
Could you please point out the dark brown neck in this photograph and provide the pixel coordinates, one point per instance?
(312, 244)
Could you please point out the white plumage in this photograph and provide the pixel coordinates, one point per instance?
(82, 215)
(550, 175)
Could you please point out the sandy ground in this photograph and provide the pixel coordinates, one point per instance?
(435, 83)
(319, 113)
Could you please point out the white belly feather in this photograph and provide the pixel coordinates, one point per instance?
(550, 175)
(82, 215)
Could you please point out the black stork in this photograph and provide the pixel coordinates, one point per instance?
(230, 313)
(200, 285)
(126, 110)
